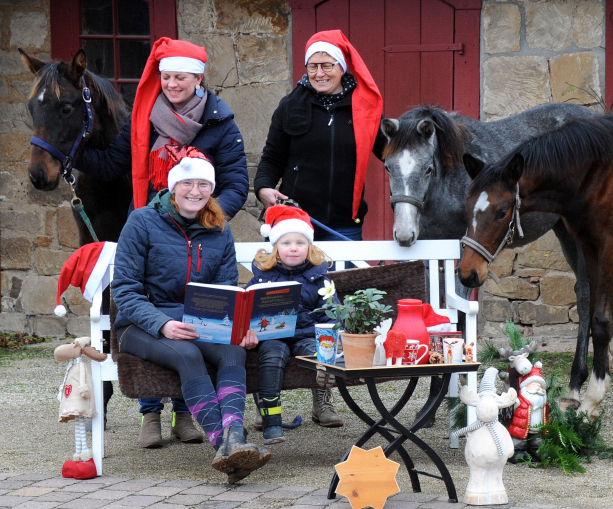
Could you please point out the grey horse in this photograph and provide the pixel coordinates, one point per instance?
(429, 184)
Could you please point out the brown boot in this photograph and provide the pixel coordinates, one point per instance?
(183, 429)
(241, 473)
(150, 436)
(323, 410)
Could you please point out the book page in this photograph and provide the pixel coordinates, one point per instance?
(269, 285)
(225, 287)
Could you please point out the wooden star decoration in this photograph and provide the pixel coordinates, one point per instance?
(367, 478)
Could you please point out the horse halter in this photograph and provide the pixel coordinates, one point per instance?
(508, 238)
(86, 130)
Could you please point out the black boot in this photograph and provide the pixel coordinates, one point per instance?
(272, 421)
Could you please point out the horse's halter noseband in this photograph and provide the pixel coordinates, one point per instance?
(508, 238)
(86, 130)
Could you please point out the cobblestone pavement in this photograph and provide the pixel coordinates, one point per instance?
(39, 491)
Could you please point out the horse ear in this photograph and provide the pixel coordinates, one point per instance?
(389, 127)
(78, 64)
(515, 169)
(473, 165)
(33, 63)
(426, 128)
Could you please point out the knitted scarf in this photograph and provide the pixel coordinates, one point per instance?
(174, 128)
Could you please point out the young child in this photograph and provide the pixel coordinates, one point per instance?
(293, 258)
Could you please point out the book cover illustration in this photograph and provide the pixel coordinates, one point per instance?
(222, 314)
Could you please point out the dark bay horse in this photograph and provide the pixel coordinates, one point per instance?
(428, 186)
(58, 109)
(568, 172)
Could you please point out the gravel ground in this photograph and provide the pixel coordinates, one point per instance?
(32, 441)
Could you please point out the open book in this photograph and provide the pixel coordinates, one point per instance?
(223, 314)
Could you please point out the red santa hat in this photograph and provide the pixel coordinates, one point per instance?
(88, 269)
(282, 219)
(366, 106)
(147, 92)
(534, 376)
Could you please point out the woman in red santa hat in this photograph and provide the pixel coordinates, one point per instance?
(321, 137)
(174, 108)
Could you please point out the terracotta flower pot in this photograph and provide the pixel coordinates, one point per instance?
(359, 349)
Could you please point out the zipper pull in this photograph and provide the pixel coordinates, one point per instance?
(331, 120)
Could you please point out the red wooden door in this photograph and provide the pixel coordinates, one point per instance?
(418, 51)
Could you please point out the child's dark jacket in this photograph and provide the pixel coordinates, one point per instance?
(312, 278)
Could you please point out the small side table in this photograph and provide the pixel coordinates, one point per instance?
(398, 433)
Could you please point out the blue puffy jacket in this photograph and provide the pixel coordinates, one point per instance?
(219, 139)
(157, 255)
(312, 278)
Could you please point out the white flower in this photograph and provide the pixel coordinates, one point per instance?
(328, 290)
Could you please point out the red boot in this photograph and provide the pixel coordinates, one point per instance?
(85, 469)
(68, 469)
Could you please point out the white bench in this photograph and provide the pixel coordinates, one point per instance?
(430, 251)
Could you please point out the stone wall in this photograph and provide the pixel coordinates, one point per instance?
(531, 51)
(535, 52)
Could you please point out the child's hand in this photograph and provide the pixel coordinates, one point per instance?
(174, 329)
(250, 340)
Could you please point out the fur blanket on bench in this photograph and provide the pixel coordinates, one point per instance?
(142, 379)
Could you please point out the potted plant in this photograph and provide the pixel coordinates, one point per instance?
(358, 315)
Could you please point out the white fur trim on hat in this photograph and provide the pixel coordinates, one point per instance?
(181, 64)
(330, 49)
(191, 168)
(59, 310)
(290, 226)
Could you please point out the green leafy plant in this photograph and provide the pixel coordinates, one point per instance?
(560, 448)
(359, 313)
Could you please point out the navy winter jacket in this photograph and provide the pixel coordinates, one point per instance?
(157, 255)
(219, 139)
(312, 278)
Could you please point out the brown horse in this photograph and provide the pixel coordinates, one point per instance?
(58, 104)
(569, 172)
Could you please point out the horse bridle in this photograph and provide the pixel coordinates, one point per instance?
(404, 198)
(508, 238)
(86, 130)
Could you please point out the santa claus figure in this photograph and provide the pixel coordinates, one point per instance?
(530, 411)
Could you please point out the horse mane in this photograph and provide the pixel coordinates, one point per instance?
(451, 134)
(574, 144)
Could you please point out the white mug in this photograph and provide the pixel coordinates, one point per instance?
(411, 352)
(453, 349)
(326, 342)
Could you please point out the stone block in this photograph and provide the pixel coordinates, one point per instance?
(4, 89)
(21, 89)
(48, 262)
(573, 314)
(195, 18)
(587, 24)
(538, 313)
(244, 275)
(67, 230)
(573, 75)
(221, 68)
(5, 283)
(502, 266)
(501, 28)
(253, 106)
(245, 228)
(15, 148)
(514, 84)
(15, 253)
(79, 326)
(59, 196)
(14, 117)
(15, 287)
(562, 330)
(247, 16)
(50, 221)
(38, 294)
(24, 221)
(262, 59)
(494, 309)
(549, 25)
(512, 288)
(558, 289)
(43, 241)
(28, 29)
(50, 326)
(12, 64)
(494, 331)
(544, 253)
(529, 272)
(75, 303)
(13, 322)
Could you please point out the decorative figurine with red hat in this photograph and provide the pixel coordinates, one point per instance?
(321, 137)
(531, 410)
(293, 257)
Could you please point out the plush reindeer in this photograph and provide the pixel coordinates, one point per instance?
(488, 444)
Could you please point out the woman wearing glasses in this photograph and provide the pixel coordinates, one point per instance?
(182, 236)
(321, 137)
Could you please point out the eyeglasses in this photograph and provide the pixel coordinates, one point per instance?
(325, 66)
(186, 185)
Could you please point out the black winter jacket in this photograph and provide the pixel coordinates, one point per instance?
(312, 150)
(219, 139)
(157, 255)
(312, 278)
